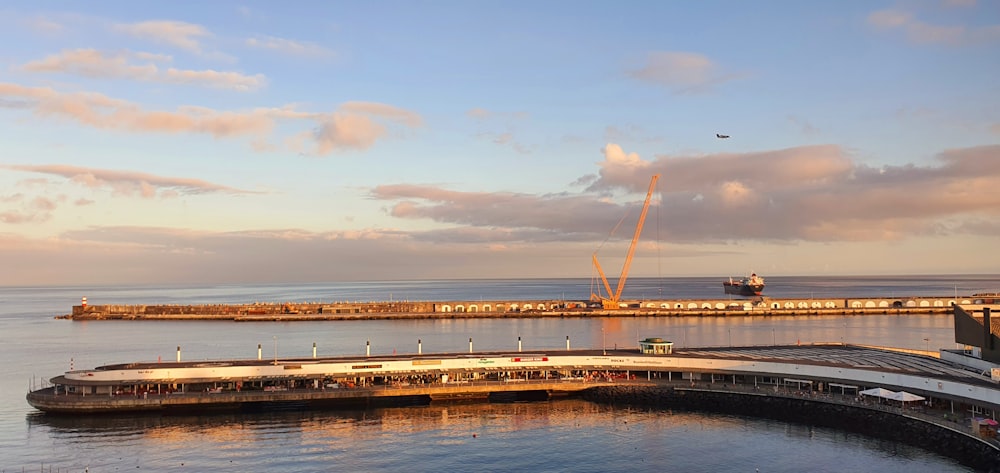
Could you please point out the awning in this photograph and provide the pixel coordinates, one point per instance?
(845, 386)
(878, 392)
(800, 381)
(906, 397)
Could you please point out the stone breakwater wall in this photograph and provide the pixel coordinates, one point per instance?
(964, 448)
(267, 310)
(442, 310)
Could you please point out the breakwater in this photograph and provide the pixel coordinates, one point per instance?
(291, 311)
(827, 411)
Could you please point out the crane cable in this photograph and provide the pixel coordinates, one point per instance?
(659, 257)
(593, 270)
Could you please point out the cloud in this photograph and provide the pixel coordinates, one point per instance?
(921, 32)
(525, 214)
(682, 72)
(810, 193)
(505, 139)
(382, 110)
(619, 166)
(488, 118)
(345, 131)
(355, 125)
(23, 104)
(150, 255)
(45, 25)
(218, 79)
(807, 196)
(814, 193)
(482, 114)
(803, 125)
(121, 65)
(100, 111)
(889, 18)
(29, 210)
(478, 114)
(179, 34)
(127, 183)
(120, 254)
(288, 46)
(91, 63)
(632, 133)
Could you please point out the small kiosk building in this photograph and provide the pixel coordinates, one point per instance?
(656, 346)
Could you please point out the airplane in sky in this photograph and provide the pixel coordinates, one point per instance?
(721, 136)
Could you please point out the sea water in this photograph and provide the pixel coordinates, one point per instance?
(568, 435)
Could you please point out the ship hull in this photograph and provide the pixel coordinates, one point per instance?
(738, 289)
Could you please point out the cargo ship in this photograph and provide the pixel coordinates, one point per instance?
(749, 286)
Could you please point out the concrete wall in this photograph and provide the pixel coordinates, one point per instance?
(971, 330)
(960, 446)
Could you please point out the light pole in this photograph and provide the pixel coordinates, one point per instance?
(275, 349)
(604, 342)
(927, 344)
(730, 338)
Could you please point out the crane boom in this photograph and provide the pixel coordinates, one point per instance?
(611, 302)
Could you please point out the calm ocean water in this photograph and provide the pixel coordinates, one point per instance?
(557, 436)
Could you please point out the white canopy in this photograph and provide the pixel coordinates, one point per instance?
(879, 392)
(906, 397)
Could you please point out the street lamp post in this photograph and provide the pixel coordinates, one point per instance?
(604, 342)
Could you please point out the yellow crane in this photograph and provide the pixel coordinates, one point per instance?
(612, 301)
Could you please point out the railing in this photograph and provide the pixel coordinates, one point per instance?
(956, 422)
(359, 391)
(941, 418)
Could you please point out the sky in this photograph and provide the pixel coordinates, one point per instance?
(285, 142)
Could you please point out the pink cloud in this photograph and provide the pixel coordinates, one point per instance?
(288, 46)
(128, 183)
(812, 193)
(124, 65)
(506, 138)
(356, 125)
(179, 34)
(921, 32)
(682, 72)
(36, 210)
(341, 131)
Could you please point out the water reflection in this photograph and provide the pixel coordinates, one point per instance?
(565, 434)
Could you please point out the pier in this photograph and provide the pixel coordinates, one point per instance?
(821, 367)
(821, 384)
(343, 310)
